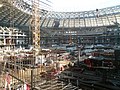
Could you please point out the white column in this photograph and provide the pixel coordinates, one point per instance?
(4, 40)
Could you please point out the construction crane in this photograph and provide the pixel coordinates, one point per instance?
(35, 26)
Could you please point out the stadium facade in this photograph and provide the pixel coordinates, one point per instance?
(100, 26)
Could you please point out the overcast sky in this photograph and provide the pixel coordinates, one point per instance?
(81, 5)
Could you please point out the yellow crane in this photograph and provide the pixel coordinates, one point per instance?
(35, 26)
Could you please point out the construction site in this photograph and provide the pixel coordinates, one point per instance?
(42, 49)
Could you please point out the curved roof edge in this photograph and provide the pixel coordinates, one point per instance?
(25, 7)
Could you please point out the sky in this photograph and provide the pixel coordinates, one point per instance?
(81, 5)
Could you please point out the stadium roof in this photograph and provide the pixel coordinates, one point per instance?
(74, 5)
(19, 14)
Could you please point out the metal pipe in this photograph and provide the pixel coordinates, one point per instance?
(31, 79)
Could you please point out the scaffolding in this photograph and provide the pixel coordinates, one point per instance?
(15, 66)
